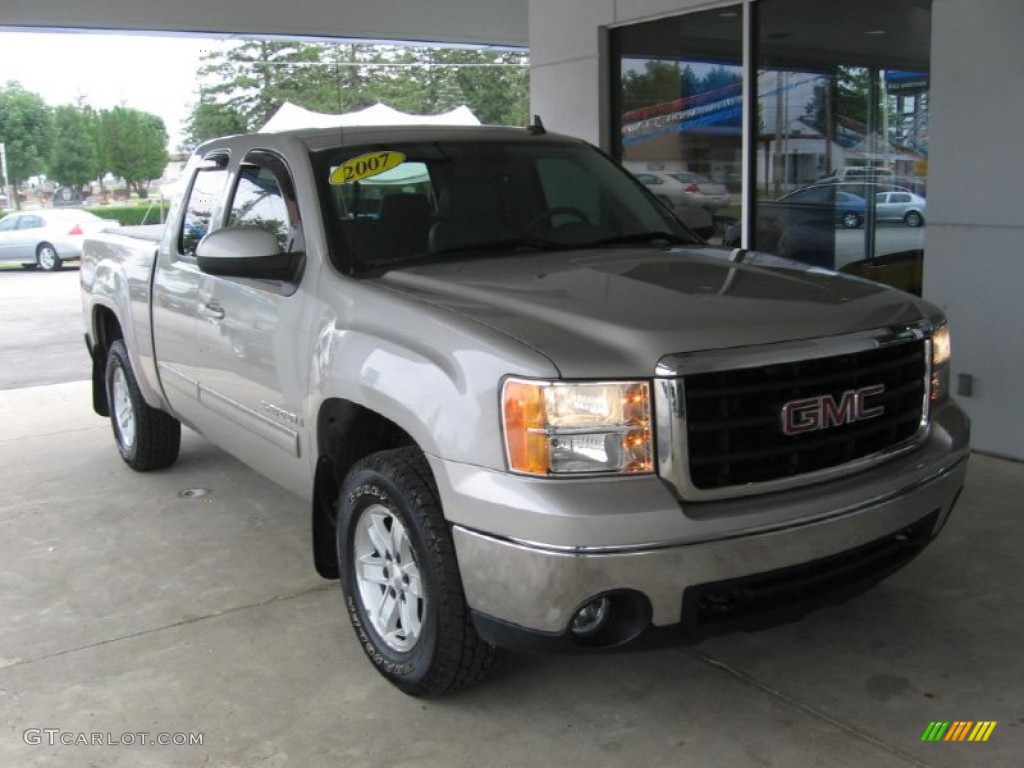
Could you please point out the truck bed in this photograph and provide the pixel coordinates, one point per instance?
(150, 232)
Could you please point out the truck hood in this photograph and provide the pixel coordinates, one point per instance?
(615, 313)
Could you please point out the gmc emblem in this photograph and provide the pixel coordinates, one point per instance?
(823, 412)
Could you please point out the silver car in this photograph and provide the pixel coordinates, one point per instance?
(685, 188)
(48, 238)
(900, 205)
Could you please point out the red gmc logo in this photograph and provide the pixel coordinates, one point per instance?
(813, 413)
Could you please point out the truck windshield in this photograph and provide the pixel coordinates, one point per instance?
(416, 203)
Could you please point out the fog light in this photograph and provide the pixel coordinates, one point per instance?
(591, 617)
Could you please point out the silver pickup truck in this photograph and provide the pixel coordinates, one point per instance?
(529, 408)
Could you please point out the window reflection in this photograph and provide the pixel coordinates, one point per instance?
(839, 139)
(679, 113)
(200, 207)
(842, 137)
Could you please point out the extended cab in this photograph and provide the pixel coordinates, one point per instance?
(528, 407)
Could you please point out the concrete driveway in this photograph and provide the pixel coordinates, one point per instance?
(40, 328)
(128, 608)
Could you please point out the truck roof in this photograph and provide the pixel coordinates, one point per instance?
(323, 138)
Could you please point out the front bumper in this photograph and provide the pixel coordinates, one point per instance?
(524, 593)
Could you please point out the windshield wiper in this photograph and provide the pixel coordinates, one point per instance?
(642, 237)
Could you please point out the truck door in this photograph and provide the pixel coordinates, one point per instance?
(176, 307)
(253, 377)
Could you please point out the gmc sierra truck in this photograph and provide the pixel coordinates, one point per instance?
(528, 407)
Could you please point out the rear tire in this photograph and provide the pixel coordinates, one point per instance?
(47, 258)
(913, 219)
(147, 438)
(400, 578)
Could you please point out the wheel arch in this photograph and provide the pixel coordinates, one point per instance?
(106, 330)
(345, 433)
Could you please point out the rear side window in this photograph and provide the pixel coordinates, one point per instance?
(204, 200)
(30, 222)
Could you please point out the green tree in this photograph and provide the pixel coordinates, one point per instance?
(26, 129)
(209, 120)
(494, 84)
(133, 145)
(658, 83)
(255, 77)
(243, 86)
(74, 156)
(720, 77)
(850, 90)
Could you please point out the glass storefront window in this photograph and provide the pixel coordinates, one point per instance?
(842, 136)
(837, 160)
(679, 113)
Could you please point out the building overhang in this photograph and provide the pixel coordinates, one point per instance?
(488, 22)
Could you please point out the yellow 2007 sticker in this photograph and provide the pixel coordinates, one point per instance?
(365, 166)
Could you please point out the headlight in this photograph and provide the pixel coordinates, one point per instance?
(563, 428)
(940, 362)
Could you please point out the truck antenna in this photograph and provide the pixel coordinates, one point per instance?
(536, 128)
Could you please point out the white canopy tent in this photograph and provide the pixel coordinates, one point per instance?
(290, 117)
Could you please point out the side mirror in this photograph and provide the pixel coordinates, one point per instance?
(247, 252)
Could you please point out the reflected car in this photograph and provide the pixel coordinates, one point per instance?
(695, 217)
(679, 188)
(47, 238)
(900, 205)
(849, 208)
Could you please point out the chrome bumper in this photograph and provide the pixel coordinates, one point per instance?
(539, 589)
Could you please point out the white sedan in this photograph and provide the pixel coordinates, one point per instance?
(679, 188)
(47, 238)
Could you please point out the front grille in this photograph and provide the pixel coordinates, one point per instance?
(765, 599)
(734, 418)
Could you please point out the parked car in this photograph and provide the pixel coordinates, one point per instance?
(900, 205)
(693, 216)
(849, 208)
(678, 188)
(47, 238)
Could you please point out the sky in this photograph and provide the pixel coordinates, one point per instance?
(154, 74)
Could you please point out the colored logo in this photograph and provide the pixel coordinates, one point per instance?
(959, 730)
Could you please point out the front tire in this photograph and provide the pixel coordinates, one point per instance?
(400, 578)
(147, 438)
(47, 258)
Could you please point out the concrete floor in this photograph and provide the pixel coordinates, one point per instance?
(129, 608)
